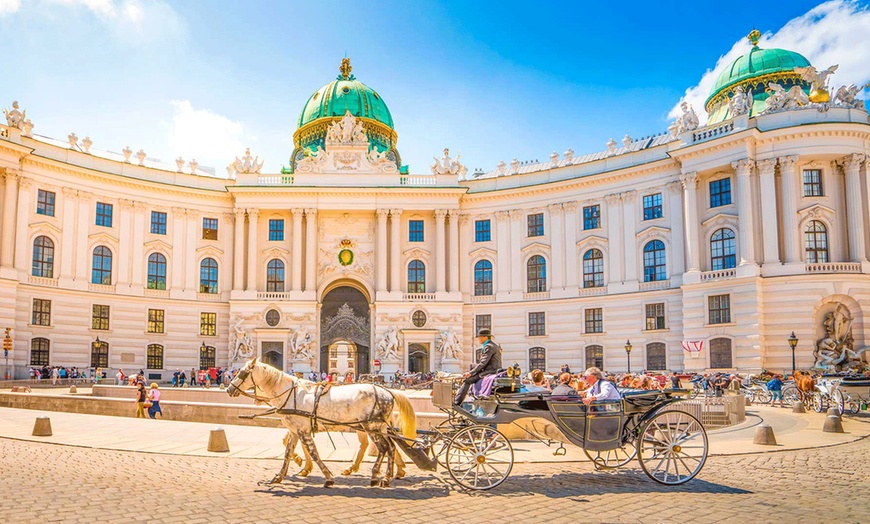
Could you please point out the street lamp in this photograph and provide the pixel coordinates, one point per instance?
(95, 347)
(628, 353)
(792, 341)
(7, 347)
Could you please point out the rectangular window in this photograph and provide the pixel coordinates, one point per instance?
(592, 217)
(720, 309)
(537, 327)
(208, 324)
(41, 312)
(720, 192)
(594, 320)
(536, 224)
(100, 317)
(652, 206)
(104, 214)
(209, 228)
(813, 183)
(482, 322)
(158, 223)
(482, 231)
(155, 321)
(45, 203)
(655, 316)
(276, 230)
(415, 231)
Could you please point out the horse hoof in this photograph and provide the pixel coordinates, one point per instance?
(374, 483)
(400, 475)
(297, 460)
(277, 479)
(329, 483)
(304, 473)
(385, 483)
(346, 472)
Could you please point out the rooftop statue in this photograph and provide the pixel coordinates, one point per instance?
(246, 165)
(741, 102)
(688, 121)
(14, 117)
(819, 81)
(448, 166)
(779, 99)
(846, 97)
(347, 131)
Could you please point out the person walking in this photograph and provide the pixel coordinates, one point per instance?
(774, 385)
(120, 376)
(141, 395)
(154, 396)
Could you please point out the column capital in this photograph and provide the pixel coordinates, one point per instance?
(612, 199)
(628, 196)
(787, 162)
(690, 180)
(502, 216)
(395, 213)
(515, 214)
(69, 192)
(555, 209)
(11, 174)
(570, 206)
(743, 166)
(24, 182)
(85, 197)
(675, 187)
(239, 212)
(253, 212)
(462, 217)
(139, 206)
(766, 166)
(229, 217)
(382, 213)
(440, 214)
(179, 212)
(311, 212)
(125, 204)
(193, 214)
(852, 161)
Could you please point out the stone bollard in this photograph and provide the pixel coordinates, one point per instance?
(835, 412)
(833, 424)
(42, 427)
(72, 389)
(764, 436)
(217, 441)
(798, 407)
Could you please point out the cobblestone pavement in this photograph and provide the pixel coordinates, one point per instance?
(54, 483)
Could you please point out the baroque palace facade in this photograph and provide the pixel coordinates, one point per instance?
(704, 246)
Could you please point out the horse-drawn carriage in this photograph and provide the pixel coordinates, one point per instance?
(846, 393)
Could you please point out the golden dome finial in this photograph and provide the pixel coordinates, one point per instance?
(345, 68)
(754, 37)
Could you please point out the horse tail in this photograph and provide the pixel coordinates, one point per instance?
(407, 417)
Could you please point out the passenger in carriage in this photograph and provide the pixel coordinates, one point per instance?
(538, 384)
(564, 389)
(599, 389)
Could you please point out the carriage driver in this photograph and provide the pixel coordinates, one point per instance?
(599, 389)
(490, 362)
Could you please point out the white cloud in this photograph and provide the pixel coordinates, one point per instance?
(832, 33)
(210, 138)
(138, 21)
(8, 7)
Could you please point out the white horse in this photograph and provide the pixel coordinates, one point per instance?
(305, 404)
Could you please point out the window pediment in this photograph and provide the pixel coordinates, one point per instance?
(592, 241)
(654, 232)
(157, 245)
(417, 252)
(209, 251)
(817, 211)
(102, 237)
(45, 226)
(536, 248)
(483, 252)
(721, 219)
(276, 252)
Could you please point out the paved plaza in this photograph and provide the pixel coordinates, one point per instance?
(51, 482)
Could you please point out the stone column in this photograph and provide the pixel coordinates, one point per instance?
(453, 251)
(557, 248)
(395, 250)
(690, 184)
(503, 250)
(463, 266)
(138, 275)
(744, 210)
(83, 253)
(125, 239)
(67, 242)
(440, 245)
(614, 244)
(7, 253)
(854, 207)
(769, 223)
(253, 258)
(381, 252)
(517, 269)
(178, 228)
(23, 247)
(838, 240)
(678, 240)
(629, 232)
(239, 250)
(193, 234)
(570, 251)
(310, 249)
(296, 253)
(227, 272)
(790, 234)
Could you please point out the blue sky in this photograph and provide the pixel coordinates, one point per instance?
(490, 80)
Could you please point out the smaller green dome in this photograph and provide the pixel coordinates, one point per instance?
(756, 63)
(343, 95)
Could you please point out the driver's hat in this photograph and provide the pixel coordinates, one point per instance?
(484, 332)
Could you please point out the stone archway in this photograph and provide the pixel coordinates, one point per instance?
(344, 323)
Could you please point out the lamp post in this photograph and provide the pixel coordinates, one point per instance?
(628, 354)
(95, 346)
(7, 347)
(203, 351)
(792, 341)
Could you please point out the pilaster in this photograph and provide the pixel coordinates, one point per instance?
(743, 169)
(253, 255)
(10, 199)
(297, 253)
(769, 225)
(440, 246)
(311, 251)
(854, 206)
(790, 234)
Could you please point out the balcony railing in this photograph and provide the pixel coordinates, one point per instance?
(592, 291)
(273, 295)
(719, 274)
(541, 295)
(42, 281)
(275, 180)
(418, 297)
(834, 267)
(418, 180)
(482, 299)
(657, 284)
(706, 133)
(101, 288)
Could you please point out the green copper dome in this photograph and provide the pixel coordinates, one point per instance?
(342, 95)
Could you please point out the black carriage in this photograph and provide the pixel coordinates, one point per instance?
(670, 444)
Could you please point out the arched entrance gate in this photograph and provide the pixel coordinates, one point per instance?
(345, 332)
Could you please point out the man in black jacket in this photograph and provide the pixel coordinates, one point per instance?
(490, 362)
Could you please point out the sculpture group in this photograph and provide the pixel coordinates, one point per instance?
(241, 346)
(387, 348)
(449, 345)
(835, 352)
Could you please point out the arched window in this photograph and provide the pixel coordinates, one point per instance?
(654, 261)
(416, 277)
(154, 356)
(816, 242)
(39, 352)
(206, 357)
(99, 354)
(536, 274)
(720, 353)
(593, 268)
(43, 257)
(538, 358)
(101, 269)
(723, 250)
(595, 356)
(275, 276)
(656, 358)
(483, 278)
(208, 276)
(156, 271)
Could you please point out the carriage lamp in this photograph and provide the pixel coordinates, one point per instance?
(628, 353)
(792, 341)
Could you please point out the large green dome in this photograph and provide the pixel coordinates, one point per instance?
(342, 95)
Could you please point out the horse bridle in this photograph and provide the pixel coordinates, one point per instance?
(243, 375)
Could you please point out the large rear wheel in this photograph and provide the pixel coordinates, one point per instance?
(479, 458)
(612, 458)
(672, 447)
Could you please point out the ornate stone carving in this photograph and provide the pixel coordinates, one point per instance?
(28, 129)
(516, 214)
(688, 121)
(14, 117)
(741, 102)
(86, 144)
(180, 163)
(569, 155)
(448, 166)
(779, 99)
(194, 165)
(786, 163)
(819, 82)
(743, 166)
(253, 212)
(515, 166)
(241, 346)
(73, 140)
(449, 345)
(502, 216)
(347, 131)
(387, 347)
(245, 165)
(141, 155)
(501, 167)
(611, 146)
(767, 165)
(554, 159)
(852, 161)
(627, 141)
(127, 152)
(835, 352)
(301, 343)
(846, 96)
(555, 209)
(612, 199)
(689, 180)
(628, 196)
(570, 206)
(674, 187)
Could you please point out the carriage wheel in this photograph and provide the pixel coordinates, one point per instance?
(838, 401)
(764, 396)
(612, 458)
(696, 390)
(479, 458)
(854, 407)
(818, 401)
(790, 395)
(673, 447)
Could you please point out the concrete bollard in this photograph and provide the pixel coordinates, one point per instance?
(217, 441)
(835, 412)
(42, 427)
(798, 407)
(833, 424)
(764, 436)
(72, 389)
